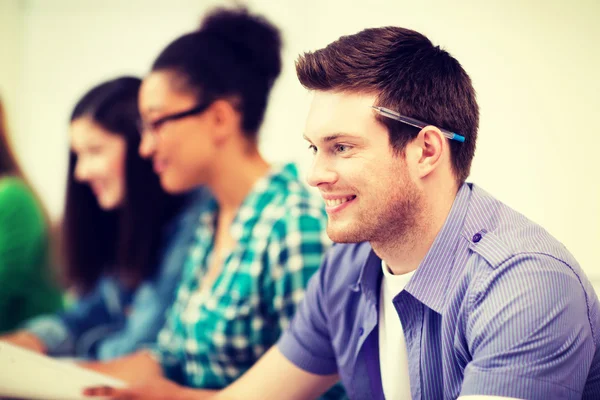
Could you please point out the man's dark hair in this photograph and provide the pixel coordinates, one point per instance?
(408, 74)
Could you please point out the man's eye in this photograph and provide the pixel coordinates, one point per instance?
(341, 148)
(312, 148)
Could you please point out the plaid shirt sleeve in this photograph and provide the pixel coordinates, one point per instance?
(294, 256)
(294, 259)
(168, 348)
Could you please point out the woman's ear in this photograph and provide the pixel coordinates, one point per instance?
(225, 119)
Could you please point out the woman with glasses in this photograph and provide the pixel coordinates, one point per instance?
(124, 238)
(262, 234)
(27, 285)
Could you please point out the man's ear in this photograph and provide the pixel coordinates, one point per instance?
(426, 150)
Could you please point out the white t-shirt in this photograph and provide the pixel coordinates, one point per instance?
(393, 357)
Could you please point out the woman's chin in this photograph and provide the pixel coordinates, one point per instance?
(174, 186)
(108, 203)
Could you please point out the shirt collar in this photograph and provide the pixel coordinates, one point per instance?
(369, 279)
(431, 278)
(429, 283)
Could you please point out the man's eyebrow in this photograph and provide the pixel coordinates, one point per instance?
(334, 136)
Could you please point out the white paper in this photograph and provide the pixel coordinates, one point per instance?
(28, 375)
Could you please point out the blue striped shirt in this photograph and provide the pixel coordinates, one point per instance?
(497, 307)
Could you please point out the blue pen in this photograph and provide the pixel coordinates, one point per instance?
(386, 112)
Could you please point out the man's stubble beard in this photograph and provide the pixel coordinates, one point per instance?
(396, 219)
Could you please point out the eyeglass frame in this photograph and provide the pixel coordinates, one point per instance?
(152, 127)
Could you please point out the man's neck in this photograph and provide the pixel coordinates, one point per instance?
(404, 254)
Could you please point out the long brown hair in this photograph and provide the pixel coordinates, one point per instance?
(8, 162)
(124, 242)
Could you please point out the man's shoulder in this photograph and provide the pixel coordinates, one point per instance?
(498, 233)
(516, 252)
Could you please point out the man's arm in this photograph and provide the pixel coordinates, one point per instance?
(528, 331)
(486, 398)
(274, 377)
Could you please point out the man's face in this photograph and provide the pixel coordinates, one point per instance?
(367, 188)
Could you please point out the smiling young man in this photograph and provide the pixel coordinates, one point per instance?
(439, 291)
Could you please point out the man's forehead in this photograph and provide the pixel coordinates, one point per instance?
(341, 100)
(338, 112)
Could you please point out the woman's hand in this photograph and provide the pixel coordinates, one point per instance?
(25, 340)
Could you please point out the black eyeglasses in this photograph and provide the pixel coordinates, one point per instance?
(152, 127)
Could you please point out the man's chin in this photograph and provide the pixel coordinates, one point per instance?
(344, 235)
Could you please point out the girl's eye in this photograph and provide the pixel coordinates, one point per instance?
(312, 148)
(94, 150)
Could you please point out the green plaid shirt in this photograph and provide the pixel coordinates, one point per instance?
(212, 337)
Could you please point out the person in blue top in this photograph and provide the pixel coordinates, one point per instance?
(124, 239)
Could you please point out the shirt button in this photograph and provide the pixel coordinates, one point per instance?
(361, 331)
(476, 237)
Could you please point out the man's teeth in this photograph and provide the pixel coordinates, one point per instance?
(337, 202)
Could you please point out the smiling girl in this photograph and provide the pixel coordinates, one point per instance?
(124, 237)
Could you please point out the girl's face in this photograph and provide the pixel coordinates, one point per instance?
(182, 148)
(100, 161)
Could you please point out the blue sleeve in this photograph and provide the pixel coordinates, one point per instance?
(143, 321)
(168, 348)
(165, 346)
(307, 343)
(152, 299)
(106, 319)
(528, 331)
(61, 332)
